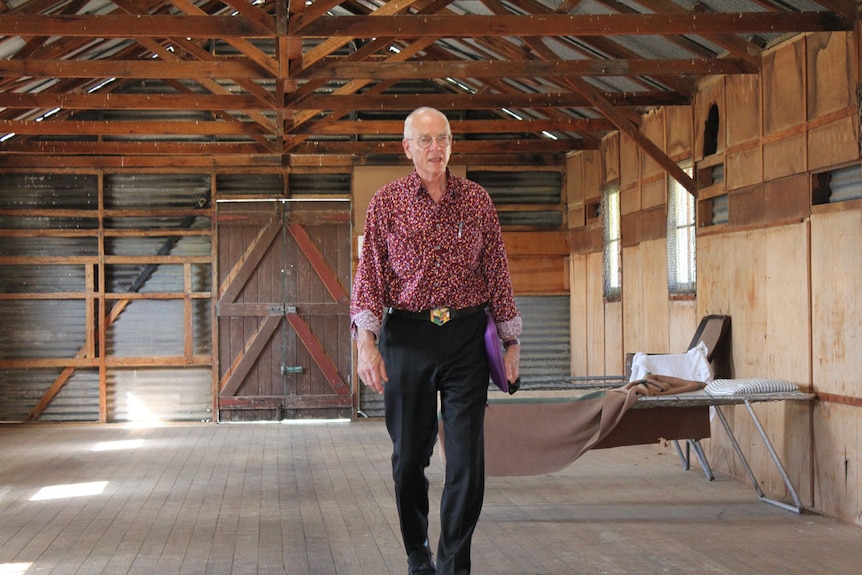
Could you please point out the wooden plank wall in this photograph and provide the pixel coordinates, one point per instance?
(786, 271)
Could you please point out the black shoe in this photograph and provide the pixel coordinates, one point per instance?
(420, 563)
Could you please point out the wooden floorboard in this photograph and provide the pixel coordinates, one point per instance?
(316, 499)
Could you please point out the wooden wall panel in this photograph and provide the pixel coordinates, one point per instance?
(537, 262)
(785, 157)
(766, 295)
(743, 168)
(610, 159)
(783, 88)
(836, 317)
(835, 322)
(633, 301)
(535, 243)
(576, 217)
(709, 93)
(833, 143)
(539, 275)
(645, 312)
(837, 453)
(592, 174)
(678, 132)
(653, 127)
(595, 319)
(682, 323)
(743, 119)
(654, 194)
(630, 163)
(746, 206)
(630, 200)
(579, 334)
(833, 72)
(575, 193)
(787, 199)
(613, 344)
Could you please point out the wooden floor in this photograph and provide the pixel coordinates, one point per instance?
(317, 499)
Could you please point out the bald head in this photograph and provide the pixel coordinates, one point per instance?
(417, 115)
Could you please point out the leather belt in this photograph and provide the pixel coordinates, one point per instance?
(437, 315)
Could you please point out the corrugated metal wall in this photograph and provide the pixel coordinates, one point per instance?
(44, 313)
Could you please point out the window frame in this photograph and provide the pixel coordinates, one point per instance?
(681, 255)
(612, 283)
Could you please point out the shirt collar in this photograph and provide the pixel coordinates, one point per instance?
(419, 187)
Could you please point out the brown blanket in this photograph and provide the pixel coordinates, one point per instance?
(531, 437)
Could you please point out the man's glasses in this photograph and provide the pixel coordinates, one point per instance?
(424, 142)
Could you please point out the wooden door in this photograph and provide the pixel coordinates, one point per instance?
(284, 350)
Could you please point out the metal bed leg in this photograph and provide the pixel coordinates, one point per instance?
(787, 483)
(701, 456)
(685, 458)
(798, 507)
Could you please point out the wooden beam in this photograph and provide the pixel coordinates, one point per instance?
(483, 101)
(417, 70)
(129, 26)
(458, 146)
(120, 128)
(469, 25)
(111, 101)
(396, 127)
(175, 69)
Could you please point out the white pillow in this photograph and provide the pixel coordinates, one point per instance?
(750, 385)
(691, 365)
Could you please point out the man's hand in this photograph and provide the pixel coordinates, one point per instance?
(370, 368)
(512, 362)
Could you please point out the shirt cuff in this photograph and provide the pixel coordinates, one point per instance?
(366, 320)
(510, 329)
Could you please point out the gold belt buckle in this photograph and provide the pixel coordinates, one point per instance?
(440, 315)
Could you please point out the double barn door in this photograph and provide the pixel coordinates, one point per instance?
(283, 325)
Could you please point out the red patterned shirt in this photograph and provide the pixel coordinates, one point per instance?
(418, 254)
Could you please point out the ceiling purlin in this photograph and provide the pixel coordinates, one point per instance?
(375, 127)
(115, 25)
(846, 8)
(619, 118)
(484, 101)
(31, 45)
(109, 101)
(493, 84)
(203, 57)
(424, 69)
(530, 50)
(333, 43)
(113, 69)
(500, 54)
(351, 88)
(244, 46)
(256, 14)
(576, 25)
(70, 85)
(366, 50)
(733, 44)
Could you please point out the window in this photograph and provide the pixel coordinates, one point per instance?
(681, 238)
(839, 185)
(612, 251)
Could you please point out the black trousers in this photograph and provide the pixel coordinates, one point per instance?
(422, 360)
